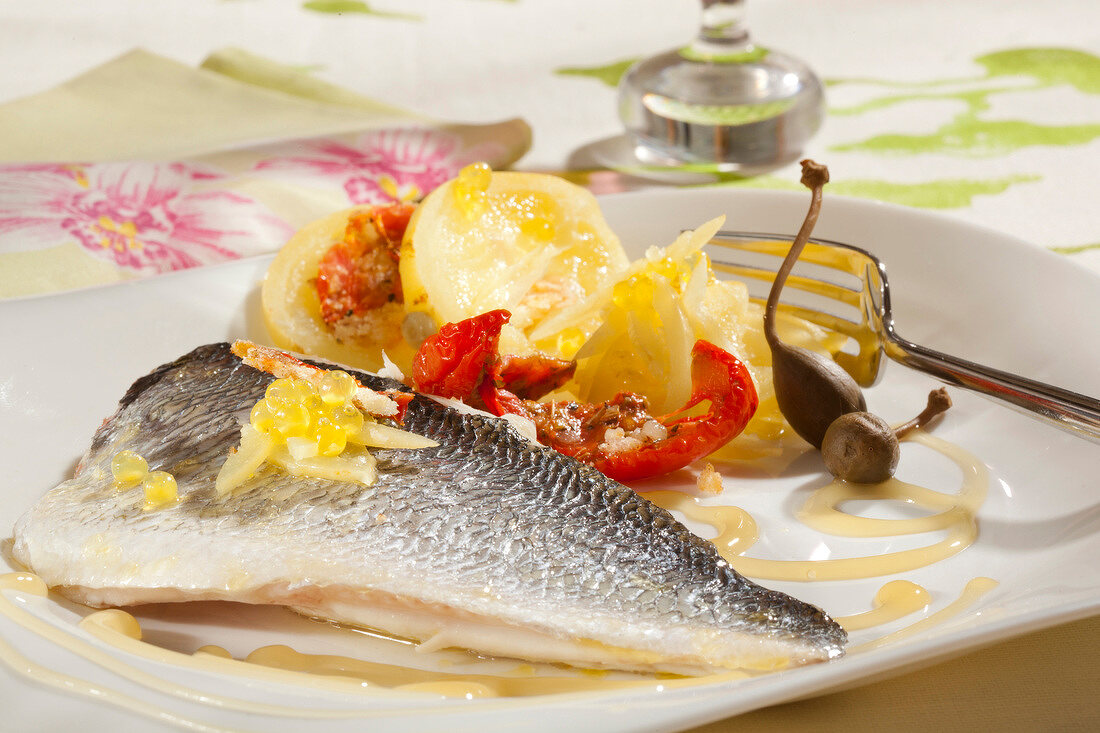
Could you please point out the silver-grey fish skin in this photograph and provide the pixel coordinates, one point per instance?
(487, 528)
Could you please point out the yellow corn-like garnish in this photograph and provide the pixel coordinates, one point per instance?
(337, 388)
(325, 414)
(348, 418)
(289, 391)
(160, 489)
(330, 437)
(570, 340)
(128, 468)
(635, 294)
(261, 416)
(304, 427)
(675, 271)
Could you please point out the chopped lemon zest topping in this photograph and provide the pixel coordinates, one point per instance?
(302, 448)
(304, 426)
(160, 489)
(377, 435)
(358, 466)
(128, 468)
(242, 464)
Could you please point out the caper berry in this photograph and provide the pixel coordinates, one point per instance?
(861, 447)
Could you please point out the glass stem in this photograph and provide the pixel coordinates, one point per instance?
(724, 25)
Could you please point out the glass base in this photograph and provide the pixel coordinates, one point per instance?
(747, 110)
(656, 155)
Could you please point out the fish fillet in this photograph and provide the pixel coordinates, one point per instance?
(486, 542)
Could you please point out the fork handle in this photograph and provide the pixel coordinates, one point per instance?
(1062, 408)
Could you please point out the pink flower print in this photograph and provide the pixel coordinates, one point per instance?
(382, 166)
(145, 217)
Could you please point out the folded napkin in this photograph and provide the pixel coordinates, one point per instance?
(145, 165)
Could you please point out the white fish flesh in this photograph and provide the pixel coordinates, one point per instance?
(486, 542)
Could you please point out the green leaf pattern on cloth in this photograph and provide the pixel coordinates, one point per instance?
(339, 7)
(1077, 249)
(947, 193)
(969, 133)
(609, 74)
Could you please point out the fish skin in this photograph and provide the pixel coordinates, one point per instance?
(485, 526)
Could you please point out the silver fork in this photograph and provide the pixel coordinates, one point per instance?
(844, 289)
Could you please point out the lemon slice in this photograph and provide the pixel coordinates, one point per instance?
(292, 310)
(529, 242)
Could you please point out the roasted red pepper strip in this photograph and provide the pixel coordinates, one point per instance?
(455, 361)
(717, 377)
(499, 401)
(534, 375)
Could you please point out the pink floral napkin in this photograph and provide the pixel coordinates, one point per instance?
(81, 223)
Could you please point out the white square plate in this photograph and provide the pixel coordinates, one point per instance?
(972, 292)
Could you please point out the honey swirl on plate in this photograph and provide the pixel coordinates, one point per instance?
(737, 531)
(895, 600)
(955, 513)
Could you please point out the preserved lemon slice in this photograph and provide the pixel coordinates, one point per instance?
(528, 242)
(292, 309)
(243, 463)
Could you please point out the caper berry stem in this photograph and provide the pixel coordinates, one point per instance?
(814, 177)
(938, 402)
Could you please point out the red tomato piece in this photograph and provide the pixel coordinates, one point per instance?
(454, 361)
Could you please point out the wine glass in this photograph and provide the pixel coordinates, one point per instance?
(721, 100)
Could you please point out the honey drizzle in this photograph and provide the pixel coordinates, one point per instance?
(894, 600)
(956, 513)
(275, 664)
(339, 674)
(736, 533)
(975, 589)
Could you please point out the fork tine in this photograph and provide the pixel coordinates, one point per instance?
(856, 325)
(817, 252)
(824, 288)
(863, 365)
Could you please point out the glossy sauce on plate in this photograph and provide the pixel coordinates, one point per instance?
(736, 530)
